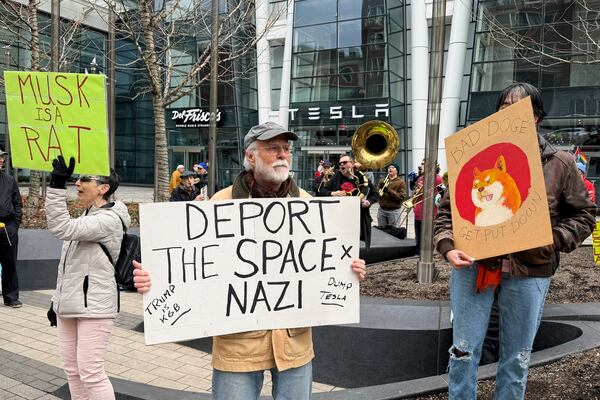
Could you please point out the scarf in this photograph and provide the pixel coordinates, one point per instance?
(256, 191)
(487, 277)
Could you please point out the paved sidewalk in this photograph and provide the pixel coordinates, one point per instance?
(28, 345)
(32, 369)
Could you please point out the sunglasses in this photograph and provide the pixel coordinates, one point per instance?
(344, 162)
(90, 178)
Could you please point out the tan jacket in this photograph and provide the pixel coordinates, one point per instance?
(264, 349)
(394, 194)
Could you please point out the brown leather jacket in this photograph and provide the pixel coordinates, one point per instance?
(572, 215)
(264, 349)
(394, 194)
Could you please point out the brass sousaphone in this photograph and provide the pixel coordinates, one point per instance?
(375, 144)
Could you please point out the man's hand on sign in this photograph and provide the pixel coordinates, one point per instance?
(459, 259)
(360, 269)
(141, 278)
(61, 173)
(200, 197)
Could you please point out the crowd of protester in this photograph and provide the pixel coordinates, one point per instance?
(84, 313)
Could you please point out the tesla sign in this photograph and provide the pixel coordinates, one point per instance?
(336, 112)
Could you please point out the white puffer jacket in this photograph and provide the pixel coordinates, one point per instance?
(86, 286)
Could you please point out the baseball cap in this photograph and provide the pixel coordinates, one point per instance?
(203, 166)
(267, 131)
(327, 163)
(581, 167)
(187, 173)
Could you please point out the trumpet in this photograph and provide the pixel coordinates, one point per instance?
(412, 201)
(386, 183)
(325, 180)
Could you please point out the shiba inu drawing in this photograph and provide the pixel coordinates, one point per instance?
(495, 195)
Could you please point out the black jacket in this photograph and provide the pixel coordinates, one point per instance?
(360, 183)
(180, 194)
(10, 200)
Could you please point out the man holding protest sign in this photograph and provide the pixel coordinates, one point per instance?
(239, 360)
(10, 219)
(521, 278)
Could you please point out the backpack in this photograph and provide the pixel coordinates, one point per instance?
(130, 250)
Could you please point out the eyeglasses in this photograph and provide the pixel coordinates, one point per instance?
(345, 162)
(275, 149)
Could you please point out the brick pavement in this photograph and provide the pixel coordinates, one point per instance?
(33, 370)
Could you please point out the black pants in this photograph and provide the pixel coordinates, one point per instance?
(365, 226)
(418, 236)
(8, 259)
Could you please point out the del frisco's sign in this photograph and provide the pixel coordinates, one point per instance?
(337, 112)
(193, 117)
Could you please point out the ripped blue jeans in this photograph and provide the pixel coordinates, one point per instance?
(521, 302)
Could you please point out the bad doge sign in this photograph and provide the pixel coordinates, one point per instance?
(244, 265)
(54, 113)
(497, 189)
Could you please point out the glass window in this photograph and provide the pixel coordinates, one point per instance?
(314, 63)
(360, 9)
(350, 33)
(498, 75)
(313, 89)
(351, 86)
(377, 84)
(276, 78)
(352, 59)
(359, 32)
(584, 74)
(497, 15)
(275, 96)
(310, 38)
(308, 12)
(555, 74)
(396, 19)
(277, 55)
(396, 87)
(561, 10)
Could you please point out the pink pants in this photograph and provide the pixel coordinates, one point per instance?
(82, 343)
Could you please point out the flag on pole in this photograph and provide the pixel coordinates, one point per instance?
(580, 157)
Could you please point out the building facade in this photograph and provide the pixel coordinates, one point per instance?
(327, 66)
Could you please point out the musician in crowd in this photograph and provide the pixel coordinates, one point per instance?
(350, 182)
(418, 201)
(323, 178)
(367, 172)
(392, 193)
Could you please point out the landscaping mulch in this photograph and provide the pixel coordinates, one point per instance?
(575, 377)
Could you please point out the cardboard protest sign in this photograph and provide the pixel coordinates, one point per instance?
(497, 189)
(596, 243)
(243, 265)
(55, 113)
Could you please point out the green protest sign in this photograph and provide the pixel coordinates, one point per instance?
(55, 113)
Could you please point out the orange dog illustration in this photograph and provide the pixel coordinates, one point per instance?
(495, 195)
